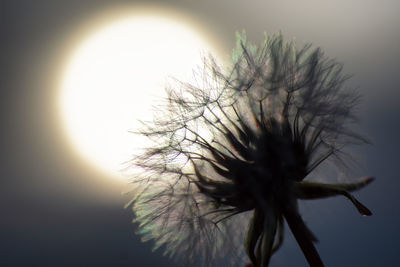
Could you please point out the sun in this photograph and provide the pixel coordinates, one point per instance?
(116, 77)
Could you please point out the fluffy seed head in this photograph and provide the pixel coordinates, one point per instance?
(231, 152)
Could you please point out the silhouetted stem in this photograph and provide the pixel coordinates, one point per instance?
(303, 238)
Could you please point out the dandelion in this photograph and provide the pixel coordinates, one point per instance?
(233, 152)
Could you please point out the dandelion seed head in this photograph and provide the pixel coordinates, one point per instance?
(233, 150)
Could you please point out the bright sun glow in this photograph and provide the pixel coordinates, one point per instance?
(115, 78)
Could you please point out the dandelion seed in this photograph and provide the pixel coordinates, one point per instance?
(232, 153)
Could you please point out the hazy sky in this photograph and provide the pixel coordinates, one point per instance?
(58, 212)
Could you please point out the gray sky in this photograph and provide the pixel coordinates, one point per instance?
(57, 212)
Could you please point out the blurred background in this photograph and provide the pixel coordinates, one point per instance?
(58, 211)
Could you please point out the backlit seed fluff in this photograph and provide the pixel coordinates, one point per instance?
(232, 152)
